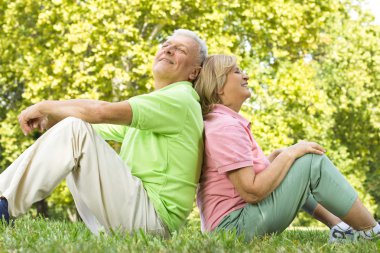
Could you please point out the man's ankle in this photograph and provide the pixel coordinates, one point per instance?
(4, 214)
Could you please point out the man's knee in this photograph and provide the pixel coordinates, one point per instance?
(74, 124)
(72, 121)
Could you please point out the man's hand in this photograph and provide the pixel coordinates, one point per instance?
(32, 118)
(46, 114)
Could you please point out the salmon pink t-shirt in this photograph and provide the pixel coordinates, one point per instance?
(229, 145)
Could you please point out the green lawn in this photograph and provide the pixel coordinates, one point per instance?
(42, 235)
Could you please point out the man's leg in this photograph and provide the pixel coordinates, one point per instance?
(106, 193)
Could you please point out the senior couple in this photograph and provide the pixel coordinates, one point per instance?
(151, 184)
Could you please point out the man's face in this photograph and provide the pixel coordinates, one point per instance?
(176, 60)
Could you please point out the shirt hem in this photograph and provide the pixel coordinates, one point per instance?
(216, 223)
(234, 166)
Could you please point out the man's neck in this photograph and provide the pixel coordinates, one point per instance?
(161, 84)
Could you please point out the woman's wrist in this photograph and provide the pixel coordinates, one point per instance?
(290, 152)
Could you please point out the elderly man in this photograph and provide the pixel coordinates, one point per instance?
(151, 184)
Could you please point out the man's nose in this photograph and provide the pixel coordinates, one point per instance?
(170, 50)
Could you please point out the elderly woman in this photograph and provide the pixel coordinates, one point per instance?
(243, 190)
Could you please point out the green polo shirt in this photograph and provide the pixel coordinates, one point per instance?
(163, 146)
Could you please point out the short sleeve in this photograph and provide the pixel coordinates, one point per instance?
(161, 112)
(110, 131)
(230, 147)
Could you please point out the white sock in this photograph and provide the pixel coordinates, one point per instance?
(376, 229)
(371, 233)
(343, 226)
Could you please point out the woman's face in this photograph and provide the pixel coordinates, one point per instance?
(235, 91)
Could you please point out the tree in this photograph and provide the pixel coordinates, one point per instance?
(350, 73)
(313, 69)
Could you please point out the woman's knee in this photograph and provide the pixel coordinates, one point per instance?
(304, 166)
(304, 161)
(309, 160)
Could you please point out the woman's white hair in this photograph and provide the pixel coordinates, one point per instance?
(202, 44)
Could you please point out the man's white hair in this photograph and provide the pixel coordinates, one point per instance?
(202, 44)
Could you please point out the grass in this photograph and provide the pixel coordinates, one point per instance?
(43, 235)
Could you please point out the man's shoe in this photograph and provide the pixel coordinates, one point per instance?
(4, 214)
(340, 235)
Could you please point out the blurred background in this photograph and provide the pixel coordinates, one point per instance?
(314, 69)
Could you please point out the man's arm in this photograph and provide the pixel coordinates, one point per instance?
(45, 114)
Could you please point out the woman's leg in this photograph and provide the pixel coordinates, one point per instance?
(320, 213)
(359, 217)
(310, 174)
(339, 230)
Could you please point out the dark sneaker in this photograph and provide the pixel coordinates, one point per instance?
(4, 214)
(339, 235)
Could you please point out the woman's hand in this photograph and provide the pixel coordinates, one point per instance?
(305, 147)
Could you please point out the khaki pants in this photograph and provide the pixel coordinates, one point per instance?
(105, 192)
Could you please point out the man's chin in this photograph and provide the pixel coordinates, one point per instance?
(161, 69)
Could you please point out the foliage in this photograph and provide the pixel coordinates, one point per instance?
(314, 70)
(351, 79)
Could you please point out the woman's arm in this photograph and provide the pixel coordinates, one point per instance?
(275, 153)
(255, 187)
(45, 114)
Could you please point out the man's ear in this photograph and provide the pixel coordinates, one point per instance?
(194, 74)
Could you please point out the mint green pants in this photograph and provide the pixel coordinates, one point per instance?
(310, 177)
